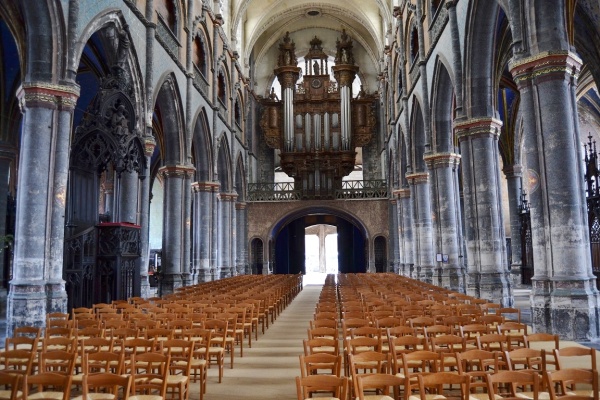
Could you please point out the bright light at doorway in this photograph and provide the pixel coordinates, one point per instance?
(321, 253)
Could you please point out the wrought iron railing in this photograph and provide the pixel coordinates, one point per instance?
(273, 191)
(374, 189)
(285, 191)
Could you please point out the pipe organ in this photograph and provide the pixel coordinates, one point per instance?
(317, 123)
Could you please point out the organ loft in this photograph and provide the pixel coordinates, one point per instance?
(318, 123)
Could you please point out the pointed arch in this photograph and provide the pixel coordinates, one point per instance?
(417, 132)
(479, 91)
(442, 110)
(224, 165)
(202, 151)
(169, 108)
(240, 178)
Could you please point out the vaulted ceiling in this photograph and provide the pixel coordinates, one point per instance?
(259, 25)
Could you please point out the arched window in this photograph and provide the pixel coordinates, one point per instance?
(414, 44)
(200, 55)
(167, 9)
(237, 111)
(222, 89)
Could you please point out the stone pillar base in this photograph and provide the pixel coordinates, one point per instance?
(27, 304)
(145, 290)
(425, 273)
(225, 272)
(516, 275)
(57, 297)
(186, 279)
(452, 278)
(492, 286)
(204, 275)
(170, 282)
(568, 308)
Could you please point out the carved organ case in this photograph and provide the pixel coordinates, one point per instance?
(317, 124)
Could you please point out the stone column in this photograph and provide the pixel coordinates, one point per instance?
(514, 175)
(444, 174)
(243, 266)
(204, 194)
(424, 252)
(5, 162)
(393, 252)
(405, 213)
(177, 180)
(225, 243)
(564, 297)
(37, 286)
(488, 276)
(127, 198)
(145, 290)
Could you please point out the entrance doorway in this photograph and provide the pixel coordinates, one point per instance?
(321, 252)
(319, 243)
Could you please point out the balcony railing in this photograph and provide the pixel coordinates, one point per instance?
(285, 191)
(375, 189)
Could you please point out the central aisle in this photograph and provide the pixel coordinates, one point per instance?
(269, 368)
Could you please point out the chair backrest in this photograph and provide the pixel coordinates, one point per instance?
(582, 357)
(478, 364)
(506, 384)
(18, 362)
(436, 382)
(117, 385)
(568, 379)
(307, 385)
(62, 362)
(11, 384)
(320, 345)
(103, 361)
(382, 382)
(149, 373)
(311, 364)
(58, 383)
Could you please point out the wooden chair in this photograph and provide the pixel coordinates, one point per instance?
(61, 362)
(320, 345)
(546, 341)
(306, 386)
(10, 386)
(19, 362)
(149, 376)
(505, 384)
(438, 385)
(199, 367)
(99, 362)
(566, 380)
(416, 363)
(105, 386)
(581, 357)
(47, 386)
(218, 343)
(181, 353)
(510, 313)
(380, 383)
(368, 362)
(313, 363)
(478, 364)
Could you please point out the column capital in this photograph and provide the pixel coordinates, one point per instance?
(545, 66)
(177, 171)
(441, 160)
(288, 76)
(418, 177)
(48, 95)
(149, 145)
(478, 127)
(402, 193)
(206, 186)
(240, 205)
(228, 197)
(513, 171)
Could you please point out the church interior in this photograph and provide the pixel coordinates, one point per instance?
(148, 147)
